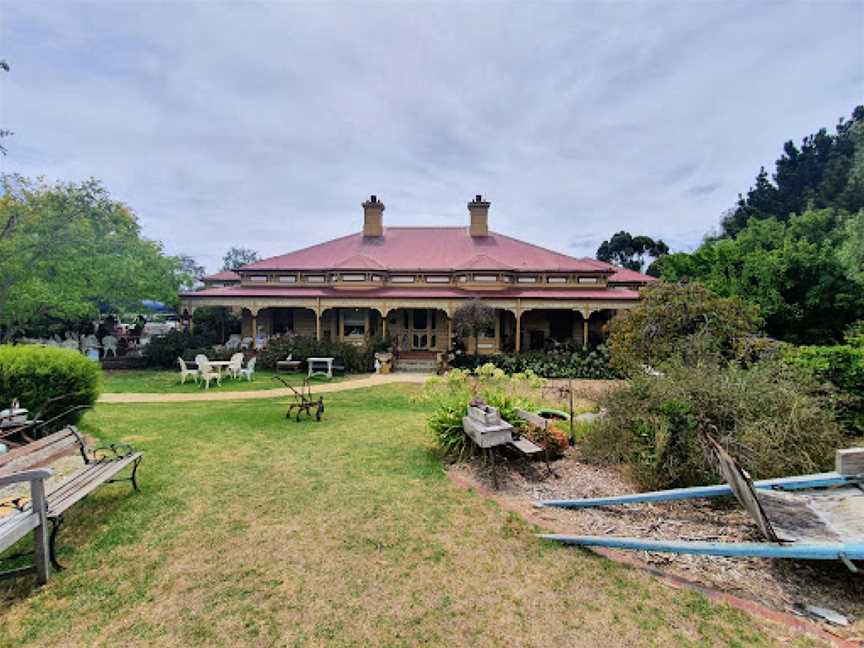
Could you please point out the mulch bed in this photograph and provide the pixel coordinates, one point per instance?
(780, 584)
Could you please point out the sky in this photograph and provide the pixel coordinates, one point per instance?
(265, 125)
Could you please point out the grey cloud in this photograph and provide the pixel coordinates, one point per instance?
(265, 125)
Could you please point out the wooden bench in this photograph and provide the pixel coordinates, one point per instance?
(15, 526)
(101, 465)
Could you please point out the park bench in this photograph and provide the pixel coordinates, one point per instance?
(101, 466)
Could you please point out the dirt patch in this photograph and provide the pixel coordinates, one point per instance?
(781, 584)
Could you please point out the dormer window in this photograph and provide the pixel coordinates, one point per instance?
(439, 279)
(556, 280)
(258, 278)
(588, 280)
(353, 277)
(314, 278)
(526, 280)
(486, 278)
(402, 279)
(287, 278)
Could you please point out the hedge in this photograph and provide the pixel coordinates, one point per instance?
(578, 363)
(35, 375)
(356, 359)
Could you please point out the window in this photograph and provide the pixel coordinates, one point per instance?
(353, 323)
(353, 277)
(258, 278)
(486, 278)
(488, 333)
(556, 280)
(376, 277)
(437, 279)
(314, 278)
(588, 280)
(526, 280)
(421, 318)
(287, 278)
(402, 279)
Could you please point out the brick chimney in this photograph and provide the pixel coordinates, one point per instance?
(478, 209)
(373, 217)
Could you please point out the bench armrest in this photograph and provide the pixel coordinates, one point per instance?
(26, 476)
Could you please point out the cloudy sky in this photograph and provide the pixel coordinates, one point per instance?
(266, 124)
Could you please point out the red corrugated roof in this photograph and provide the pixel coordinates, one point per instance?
(225, 275)
(417, 293)
(428, 248)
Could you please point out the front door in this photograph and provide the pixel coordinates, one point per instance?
(420, 326)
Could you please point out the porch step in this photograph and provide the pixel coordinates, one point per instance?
(414, 365)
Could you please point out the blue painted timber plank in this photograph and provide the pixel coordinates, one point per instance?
(826, 551)
(819, 480)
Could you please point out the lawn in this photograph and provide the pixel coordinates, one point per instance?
(156, 381)
(251, 530)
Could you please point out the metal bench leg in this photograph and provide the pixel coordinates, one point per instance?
(135, 474)
(52, 552)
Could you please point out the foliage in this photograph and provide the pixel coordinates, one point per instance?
(355, 359)
(47, 381)
(629, 251)
(163, 351)
(842, 366)
(568, 362)
(770, 417)
(451, 393)
(851, 251)
(472, 317)
(216, 322)
(4, 132)
(237, 257)
(791, 269)
(68, 249)
(826, 171)
(190, 273)
(685, 319)
(554, 439)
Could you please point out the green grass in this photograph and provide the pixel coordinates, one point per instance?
(251, 530)
(157, 381)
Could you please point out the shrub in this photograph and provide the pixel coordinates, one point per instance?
(356, 359)
(48, 381)
(687, 320)
(163, 351)
(842, 366)
(770, 417)
(451, 393)
(568, 363)
(553, 438)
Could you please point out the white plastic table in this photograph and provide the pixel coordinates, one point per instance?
(219, 365)
(320, 362)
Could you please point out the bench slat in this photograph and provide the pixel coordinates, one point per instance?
(12, 532)
(39, 452)
(90, 482)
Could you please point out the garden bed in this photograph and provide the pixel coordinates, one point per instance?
(782, 585)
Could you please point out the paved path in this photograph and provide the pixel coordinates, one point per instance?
(216, 395)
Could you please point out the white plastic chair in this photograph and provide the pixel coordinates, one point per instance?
(208, 373)
(186, 371)
(246, 343)
(233, 342)
(249, 371)
(236, 365)
(109, 343)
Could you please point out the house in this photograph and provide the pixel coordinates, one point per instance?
(406, 283)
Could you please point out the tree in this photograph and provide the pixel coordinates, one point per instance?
(237, 257)
(629, 251)
(190, 273)
(472, 318)
(793, 270)
(685, 320)
(851, 251)
(68, 249)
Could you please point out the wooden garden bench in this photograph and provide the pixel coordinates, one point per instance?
(101, 466)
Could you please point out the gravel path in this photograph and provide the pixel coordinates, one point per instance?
(215, 395)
